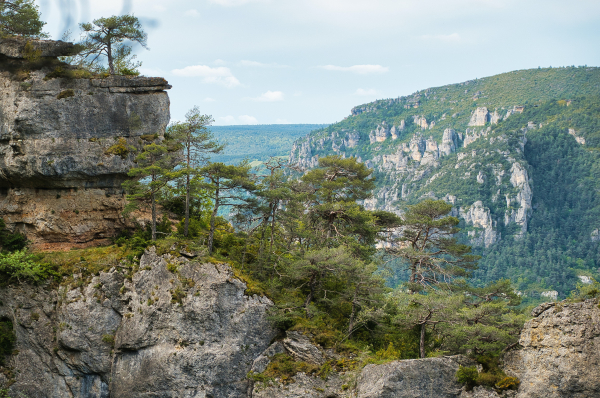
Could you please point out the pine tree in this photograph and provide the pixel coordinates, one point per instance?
(154, 170)
(229, 185)
(428, 245)
(197, 143)
(20, 18)
(104, 37)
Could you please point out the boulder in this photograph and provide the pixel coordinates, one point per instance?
(423, 378)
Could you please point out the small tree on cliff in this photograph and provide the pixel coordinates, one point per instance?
(20, 18)
(229, 185)
(155, 168)
(197, 142)
(105, 37)
(428, 245)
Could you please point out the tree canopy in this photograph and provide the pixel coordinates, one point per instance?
(107, 38)
(20, 18)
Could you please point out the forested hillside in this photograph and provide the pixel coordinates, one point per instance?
(517, 155)
(258, 142)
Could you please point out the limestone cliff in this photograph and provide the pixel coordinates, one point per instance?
(64, 137)
(188, 333)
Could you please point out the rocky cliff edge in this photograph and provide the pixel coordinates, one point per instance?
(69, 137)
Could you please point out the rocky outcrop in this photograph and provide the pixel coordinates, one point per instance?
(479, 216)
(560, 355)
(479, 117)
(71, 137)
(188, 333)
(519, 179)
(427, 378)
(14, 47)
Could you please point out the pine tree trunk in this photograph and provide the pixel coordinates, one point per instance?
(353, 314)
(187, 207)
(213, 218)
(272, 227)
(422, 341)
(187, 193)
(153, 199)
(111, 66)
(311, 294)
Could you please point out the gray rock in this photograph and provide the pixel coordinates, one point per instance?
(560, 355)
(13, 47)
(300, 348)
(479, 392)
(260, 364)
(304, 386)
(430, 377)
(187, 334)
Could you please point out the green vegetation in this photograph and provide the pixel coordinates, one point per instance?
(66, 94)
(558, 246)
(7, 339)
(104, 39)
(197, 144)
(20, 18)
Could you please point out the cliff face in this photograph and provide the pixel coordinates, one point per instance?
(67, 137)
(192, 333)
(561, 352)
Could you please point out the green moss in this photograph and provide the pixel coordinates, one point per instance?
(109, 339)
(66, 94)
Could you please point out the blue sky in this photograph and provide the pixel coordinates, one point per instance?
(311, 61)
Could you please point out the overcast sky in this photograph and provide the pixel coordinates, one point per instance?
(311, 61)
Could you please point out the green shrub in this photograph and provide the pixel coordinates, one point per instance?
(508, 383)
(10, 241)
(467, 375)
(119, 149)
(23, 266)
(7, 339)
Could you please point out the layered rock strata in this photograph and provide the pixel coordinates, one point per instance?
(70, 137)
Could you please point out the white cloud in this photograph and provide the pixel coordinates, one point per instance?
(269, 96)
(261, 65)
(365, 93)
(219, 75)
(360, 69)
(242, 119)
(208, 99)
(233, 3)
(246, 119)
(220, 62)
(192, 13)
(454, 37)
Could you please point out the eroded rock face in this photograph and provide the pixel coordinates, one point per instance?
(561, 354)
(70, 137)
(47, 142)
(161, 334)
